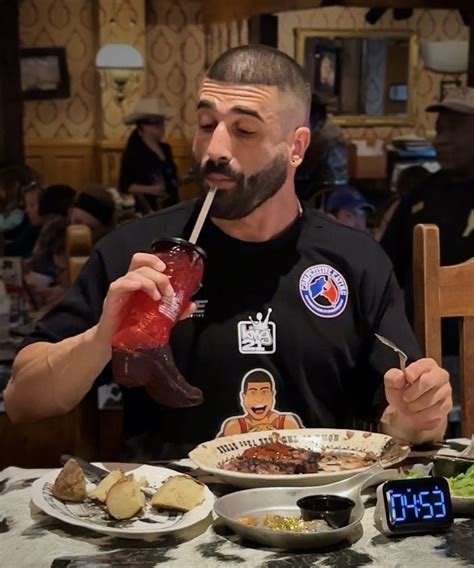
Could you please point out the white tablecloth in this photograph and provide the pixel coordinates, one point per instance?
(29, 537)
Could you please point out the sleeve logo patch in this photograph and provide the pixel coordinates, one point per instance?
(324, 290)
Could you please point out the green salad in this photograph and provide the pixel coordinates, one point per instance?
(463, 484)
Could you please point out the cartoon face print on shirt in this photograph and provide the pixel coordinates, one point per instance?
(257, 399)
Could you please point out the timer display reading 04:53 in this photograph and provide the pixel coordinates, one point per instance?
(411, 506)
(417, 505)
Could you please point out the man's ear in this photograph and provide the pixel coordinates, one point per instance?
(301, 138)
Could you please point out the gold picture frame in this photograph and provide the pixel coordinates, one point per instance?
(349, 120)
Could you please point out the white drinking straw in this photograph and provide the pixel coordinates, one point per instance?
(202, 215)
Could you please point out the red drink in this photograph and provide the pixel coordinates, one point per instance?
(141, 352)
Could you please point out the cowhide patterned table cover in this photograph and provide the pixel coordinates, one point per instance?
(29, 537)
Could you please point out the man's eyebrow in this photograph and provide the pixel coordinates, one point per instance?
(209, 105)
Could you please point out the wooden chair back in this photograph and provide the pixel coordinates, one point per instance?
(441, 292)
(78, 249)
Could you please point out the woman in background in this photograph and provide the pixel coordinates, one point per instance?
(147, 169)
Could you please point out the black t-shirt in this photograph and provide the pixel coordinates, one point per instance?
(142, 166)
(450, 206)
(295, 316)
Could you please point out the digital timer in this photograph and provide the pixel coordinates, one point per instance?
(407, 506)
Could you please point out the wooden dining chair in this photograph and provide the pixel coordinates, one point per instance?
(441, 292)
(78, 249)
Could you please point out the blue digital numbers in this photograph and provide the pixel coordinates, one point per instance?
(416, 505)
(441, 503)
(410, 506)
(426, 505)
(397, 507)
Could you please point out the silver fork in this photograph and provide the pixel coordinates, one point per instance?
(401, 354)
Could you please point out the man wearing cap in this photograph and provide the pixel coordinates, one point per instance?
(147, 170)
(446, 199)
(348, 206)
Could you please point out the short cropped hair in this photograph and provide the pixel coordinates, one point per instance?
(257, 376)
(262, 65)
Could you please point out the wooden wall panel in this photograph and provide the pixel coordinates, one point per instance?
(80, 162)
(68, 161)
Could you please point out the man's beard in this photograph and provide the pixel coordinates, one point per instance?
(248, 193)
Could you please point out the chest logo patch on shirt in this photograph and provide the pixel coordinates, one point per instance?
(324, 290)
(257, 335)
(257, 400)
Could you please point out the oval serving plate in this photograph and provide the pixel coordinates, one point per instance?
(91, 515)
(209, 456)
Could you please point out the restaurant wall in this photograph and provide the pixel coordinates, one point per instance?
(69, 140)
(59, 23)
(80, 139)
(430, 25)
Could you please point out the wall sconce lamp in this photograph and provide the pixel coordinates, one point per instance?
(120, 60)
(445, 56)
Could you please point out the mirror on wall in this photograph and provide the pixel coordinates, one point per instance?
(366, 78)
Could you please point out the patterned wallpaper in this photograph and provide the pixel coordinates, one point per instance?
(62, 23)
(178, 48)
(175, 47)
(430, 25)
(120, 21)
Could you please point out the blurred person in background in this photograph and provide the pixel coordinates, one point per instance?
(27, 235)
(324, 165)
(446, 199)
(348, 206)
(147, 170)
(95, 208)
(13, 179)
(41, 270)
(408, 180)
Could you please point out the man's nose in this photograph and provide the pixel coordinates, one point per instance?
(219, 148)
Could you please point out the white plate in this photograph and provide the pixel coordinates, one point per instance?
(93, 515)
(209, 455)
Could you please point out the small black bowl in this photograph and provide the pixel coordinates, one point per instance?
(333, 509)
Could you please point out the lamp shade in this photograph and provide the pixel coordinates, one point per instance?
(118, 56)
(445, 56)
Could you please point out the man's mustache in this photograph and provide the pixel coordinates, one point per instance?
(221, 168)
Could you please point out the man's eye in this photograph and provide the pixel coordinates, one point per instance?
(206, 127)
(244, 132)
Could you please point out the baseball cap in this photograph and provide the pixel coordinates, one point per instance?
(458, 100)
(347, 198)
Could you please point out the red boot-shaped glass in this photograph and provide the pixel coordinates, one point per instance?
(141, 353)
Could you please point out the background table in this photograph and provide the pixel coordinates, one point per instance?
(29, 537)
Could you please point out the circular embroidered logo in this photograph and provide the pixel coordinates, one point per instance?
(324, 290)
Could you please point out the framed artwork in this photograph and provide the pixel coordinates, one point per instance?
(447, 86)
(44, 73)
(326, 70)
(347, 71)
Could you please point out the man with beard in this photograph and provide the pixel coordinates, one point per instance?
(325, 289)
